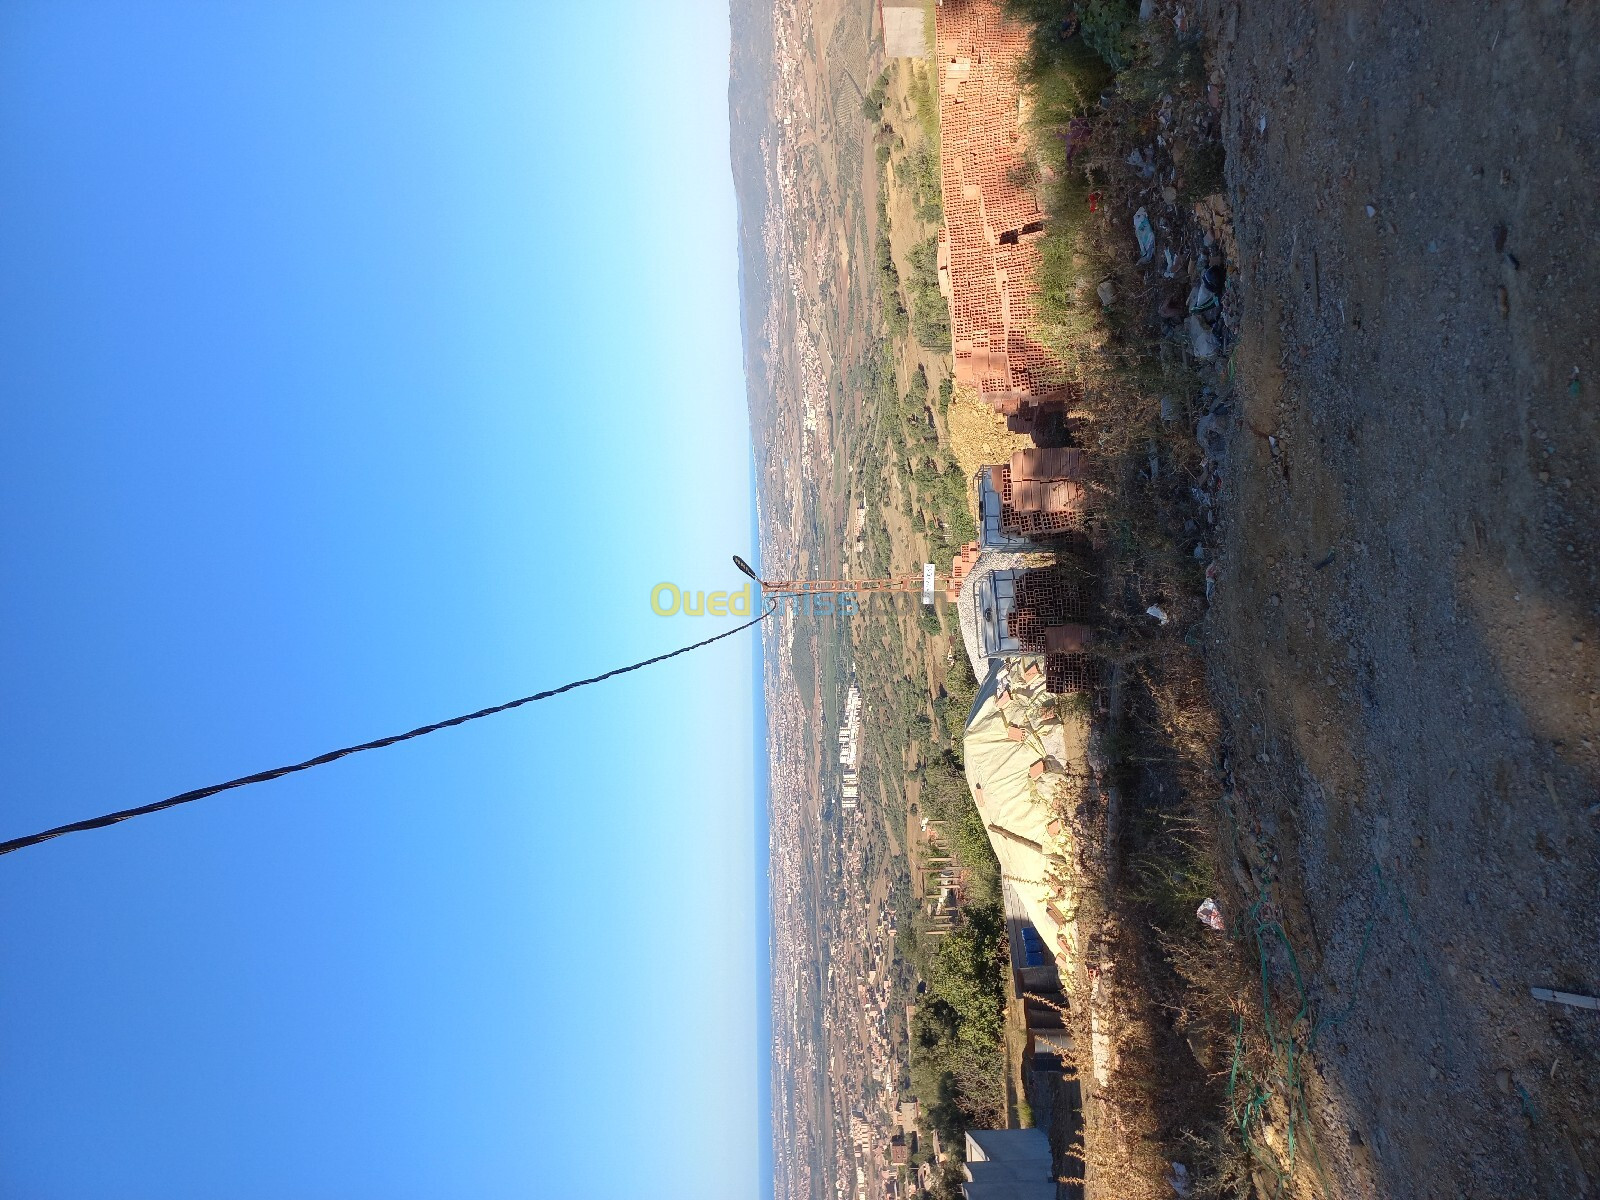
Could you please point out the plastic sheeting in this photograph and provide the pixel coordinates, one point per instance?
(1025, 767)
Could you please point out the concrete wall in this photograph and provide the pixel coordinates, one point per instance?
(1008, 1145)
(905, 30)
(1044, 1189)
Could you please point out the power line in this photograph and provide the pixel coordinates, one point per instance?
(33, 839)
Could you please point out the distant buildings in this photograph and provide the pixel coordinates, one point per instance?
(850, 749)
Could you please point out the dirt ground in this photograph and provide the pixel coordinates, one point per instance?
(1404, 639)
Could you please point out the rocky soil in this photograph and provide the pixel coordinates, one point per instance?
(1404, 638)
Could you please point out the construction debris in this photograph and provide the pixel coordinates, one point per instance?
(1570, 999)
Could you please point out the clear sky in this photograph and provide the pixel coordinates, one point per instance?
(360, 364)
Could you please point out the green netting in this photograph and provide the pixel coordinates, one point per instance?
(1291, 1040)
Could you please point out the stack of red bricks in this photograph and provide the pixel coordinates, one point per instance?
(960, 565)
(1041, 492)
(1068, 673)
(1046, 597)
(1050, 618)
(988, 250)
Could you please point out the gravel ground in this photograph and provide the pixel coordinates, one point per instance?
(1405, 638)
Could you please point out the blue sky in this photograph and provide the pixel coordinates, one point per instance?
(363, 363)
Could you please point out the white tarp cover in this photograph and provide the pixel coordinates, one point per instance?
(1025, 767)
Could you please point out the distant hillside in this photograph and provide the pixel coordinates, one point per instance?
(750, 120)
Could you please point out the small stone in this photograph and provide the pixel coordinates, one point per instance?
(1502, 1080)
(1371, 212)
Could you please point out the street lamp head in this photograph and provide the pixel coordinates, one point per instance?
(745, 567)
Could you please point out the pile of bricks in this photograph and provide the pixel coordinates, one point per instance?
(1046, 597)
(960, 565)
(1050, 618)
(1042, 521)
(988, 252)
(988, 262)
(1068, 673)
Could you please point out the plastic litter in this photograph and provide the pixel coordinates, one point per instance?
(1214, 279)
(1143, 162)
(1172, 264)
(1169, 409)
(1156, 611)
(1201, 340)
(1106, 292)
(1570, 999)
(1211, 578)
(1210, 915)
(1146, 235)
(1178, 1180)
(1147, 9)
(1201, 299)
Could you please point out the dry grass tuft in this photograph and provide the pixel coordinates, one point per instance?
(978, 435)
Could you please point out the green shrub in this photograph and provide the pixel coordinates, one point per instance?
(1171, 64)
(1109, 28)
(872, 102)
(930, 315)
(918, 173)
(921, 91)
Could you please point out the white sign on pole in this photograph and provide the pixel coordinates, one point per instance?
(927, 583)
